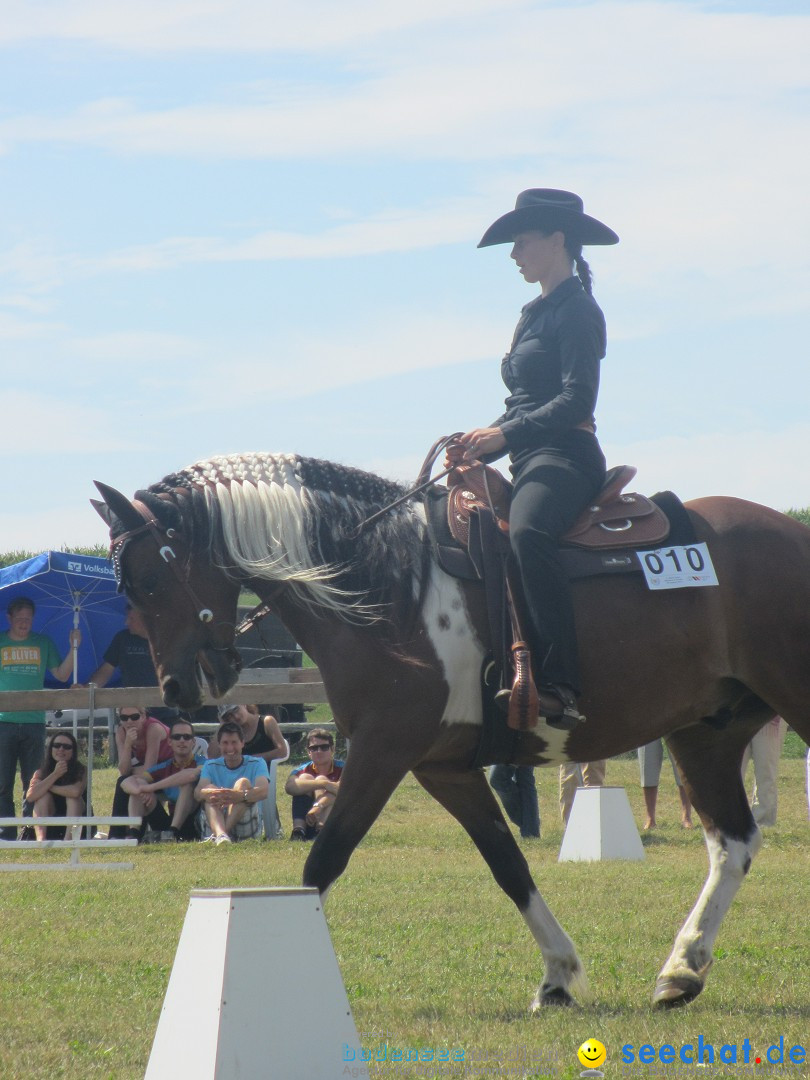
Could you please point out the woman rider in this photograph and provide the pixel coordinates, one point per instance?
(548, 428)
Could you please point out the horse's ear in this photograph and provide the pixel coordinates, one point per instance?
(103, 511)
(118, 504)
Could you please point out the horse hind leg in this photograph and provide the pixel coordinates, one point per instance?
(710, 763)
(468, 797)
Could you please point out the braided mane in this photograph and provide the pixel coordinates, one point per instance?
(285, 518)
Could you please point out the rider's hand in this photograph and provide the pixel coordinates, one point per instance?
(481, 442)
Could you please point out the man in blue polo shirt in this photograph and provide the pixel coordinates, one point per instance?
(25, 658)
(230, 788)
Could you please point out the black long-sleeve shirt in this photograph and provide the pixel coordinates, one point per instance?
(552, 369)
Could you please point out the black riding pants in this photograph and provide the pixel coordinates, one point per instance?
(552, 487)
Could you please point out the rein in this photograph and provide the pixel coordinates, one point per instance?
(423, 481)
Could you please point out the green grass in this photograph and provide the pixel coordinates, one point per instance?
(432, 953)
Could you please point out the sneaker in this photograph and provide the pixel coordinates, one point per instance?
(298, 834)
(208, 839)
(224, 839)
(100, 835)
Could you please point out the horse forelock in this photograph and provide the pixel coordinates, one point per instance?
(281, 517)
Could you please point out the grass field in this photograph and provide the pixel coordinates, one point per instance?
(432, 953)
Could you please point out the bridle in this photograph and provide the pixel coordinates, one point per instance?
(160, 534)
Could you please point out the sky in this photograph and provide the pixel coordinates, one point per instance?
(239, 225)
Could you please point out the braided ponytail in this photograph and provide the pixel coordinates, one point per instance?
(584, 274)
(574, 249)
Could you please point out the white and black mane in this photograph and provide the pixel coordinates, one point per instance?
(285, 518)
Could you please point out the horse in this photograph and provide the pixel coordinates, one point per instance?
(400, 646)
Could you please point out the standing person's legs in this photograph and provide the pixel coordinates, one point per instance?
(529, 808)
(649, 767)
(766, 750)
(593, 773)
(686, 806)
(32, 752)
(503, 781)
(570, 780)
(9, 748)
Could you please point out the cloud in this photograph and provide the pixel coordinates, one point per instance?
(768, 467)
(43, 425)
(388, 343)
(217, 25)
(476, 88)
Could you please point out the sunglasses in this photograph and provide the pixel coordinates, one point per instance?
(319, 746)
(185, 738)
(62, 746)
(129, 716)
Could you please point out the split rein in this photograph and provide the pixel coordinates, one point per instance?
(423, 481)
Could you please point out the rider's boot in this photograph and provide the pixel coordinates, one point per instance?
(558, 706)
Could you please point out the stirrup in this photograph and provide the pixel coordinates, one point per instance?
(558, 707)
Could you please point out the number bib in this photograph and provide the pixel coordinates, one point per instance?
(676, 567)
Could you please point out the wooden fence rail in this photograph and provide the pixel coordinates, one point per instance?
(271, 686)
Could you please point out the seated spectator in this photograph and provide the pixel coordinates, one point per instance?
(57, 788)
(129, 652)
(163, 794)
(650, 759)
(262, 734)
(231, 786)
(314, 786)
(141, 740)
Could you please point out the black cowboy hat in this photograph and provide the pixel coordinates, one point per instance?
(548, 210)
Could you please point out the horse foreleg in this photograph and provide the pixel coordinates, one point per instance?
(710, 765)
(468, 797)
(365, 787)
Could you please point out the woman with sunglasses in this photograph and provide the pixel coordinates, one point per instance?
(57, 788)
(314, 786)
(140, 740)
(174, 781)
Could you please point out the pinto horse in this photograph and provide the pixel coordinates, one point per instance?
(400, 646)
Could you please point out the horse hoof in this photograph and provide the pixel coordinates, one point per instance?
(676, 990)
(552, 995)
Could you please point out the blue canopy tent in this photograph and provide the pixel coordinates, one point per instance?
(69, 591)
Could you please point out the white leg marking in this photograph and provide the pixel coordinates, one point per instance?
(729, 861)
(563, 968)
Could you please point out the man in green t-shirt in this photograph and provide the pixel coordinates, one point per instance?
(25, 657)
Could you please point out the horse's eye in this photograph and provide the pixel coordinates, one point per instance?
(149, 585)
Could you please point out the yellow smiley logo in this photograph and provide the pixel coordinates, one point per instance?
(592, 1054)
